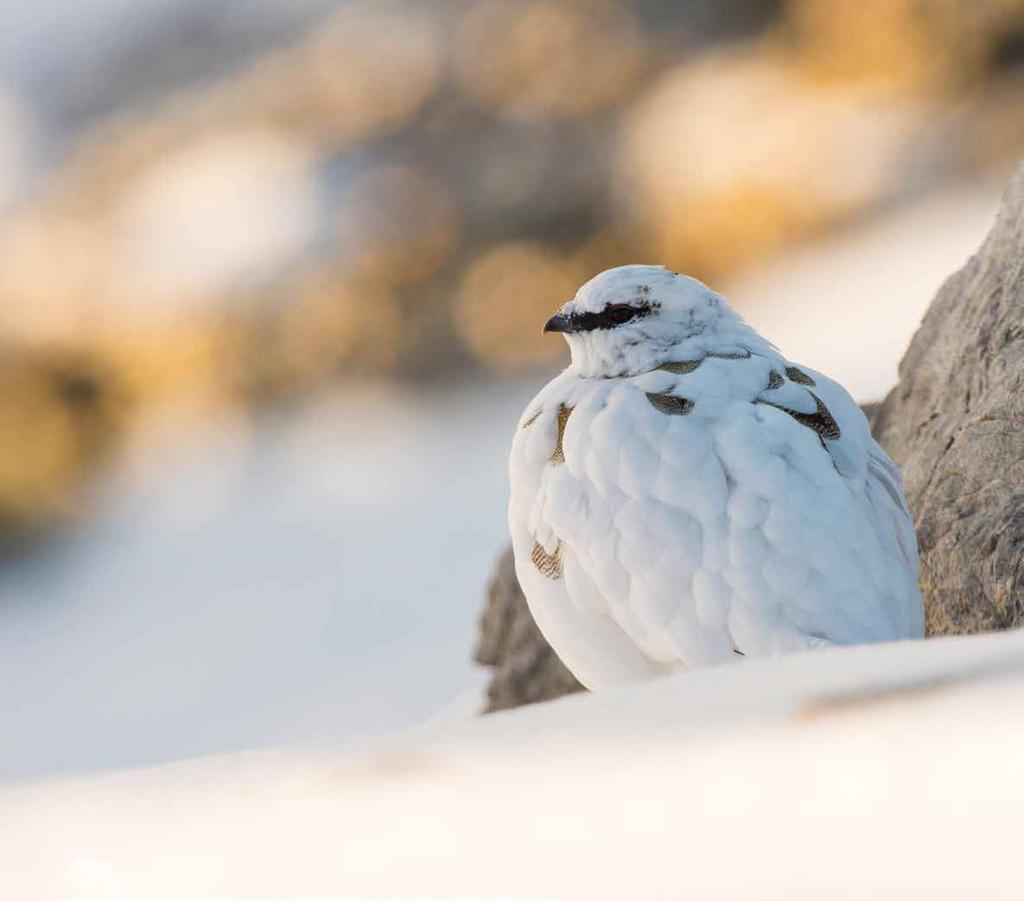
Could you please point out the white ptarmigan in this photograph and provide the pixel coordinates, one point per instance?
(682, 495)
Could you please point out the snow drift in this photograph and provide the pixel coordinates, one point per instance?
(884, 771)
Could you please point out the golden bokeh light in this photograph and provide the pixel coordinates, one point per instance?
(58, 418)
(506, 296)
(933, 44)
(330, 325)
(41, 301)
(727, 159)
(407, 190)
(371, 69)
(540, 59)
(399, 225)
(225, 211)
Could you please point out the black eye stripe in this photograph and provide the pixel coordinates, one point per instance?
(612, 316)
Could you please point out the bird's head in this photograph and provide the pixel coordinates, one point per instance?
(633, 318)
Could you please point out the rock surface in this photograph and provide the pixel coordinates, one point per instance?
(954, 424)
(525, 668)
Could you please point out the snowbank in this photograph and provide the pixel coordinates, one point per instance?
(883, 772)
(242, 591)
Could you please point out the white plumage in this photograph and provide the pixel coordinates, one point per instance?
(682, 494)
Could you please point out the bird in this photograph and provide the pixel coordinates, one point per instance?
(684, 496)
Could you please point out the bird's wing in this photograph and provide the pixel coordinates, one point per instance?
(884, 492)
(859, 553)
(817, 542)
(869, 470)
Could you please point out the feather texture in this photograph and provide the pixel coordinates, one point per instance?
(703, 508)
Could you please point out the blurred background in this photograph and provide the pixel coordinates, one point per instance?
(272, 278)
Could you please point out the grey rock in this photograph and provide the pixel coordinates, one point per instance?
(525, 668)
(955, 425)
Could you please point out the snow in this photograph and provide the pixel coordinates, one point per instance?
(884, 771)
(314, 575)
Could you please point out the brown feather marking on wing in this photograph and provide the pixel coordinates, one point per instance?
(799, 376)
(683, 367)
(530, 420)
(558, 454)
(670, 405)
(820, 421)
(549, 565)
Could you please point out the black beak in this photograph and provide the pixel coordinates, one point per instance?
(558, 323)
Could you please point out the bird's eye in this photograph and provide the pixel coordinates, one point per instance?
(620, 314)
